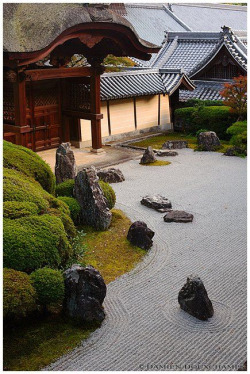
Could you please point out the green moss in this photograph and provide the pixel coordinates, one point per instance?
(19, 296)
(74, 207)
(65, 188)
(68, 224)
(16, 209)
(49, 286)
(109, 251)
(109, 193)
(29, 163)
(156, 142)
(38, 343)
(34, 242)
(157, 163)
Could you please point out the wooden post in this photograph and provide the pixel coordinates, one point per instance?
(95, 105)
(20, 107)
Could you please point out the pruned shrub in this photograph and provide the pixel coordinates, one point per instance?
(68, 224)
(238, 130)
(33, 242)
(74, 207)
(19, 296)
(18, 209)
(29, 163)
(49, 286)
(198, 102)
(109, 193)
(65, 188)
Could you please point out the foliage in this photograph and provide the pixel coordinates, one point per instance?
(65, 188)
(109, 193)
(19, 296)
(34, 242)
(198, 102)
(109, 251)
(78, 250)
(238, 130)
(156, 142)
(114, 63)
(68, 224)
(74, 207)
(29, 163)
(18, 209)
(235, 95)
(49, 286)
(214, 118)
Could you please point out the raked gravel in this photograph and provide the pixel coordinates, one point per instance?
(144, 327)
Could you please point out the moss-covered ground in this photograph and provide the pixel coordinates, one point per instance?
(156, 142)
(157, 163)
(39, 342)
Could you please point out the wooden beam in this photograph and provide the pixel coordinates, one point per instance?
(108, 115)
(159, 110)
(55, 73)
(95, 105)
(135, 115)
(82, 115)
(20, 102)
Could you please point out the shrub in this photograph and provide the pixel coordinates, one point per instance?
(196, 102)
(109, 193)
(68, 224)
(17, 209)
(235, 95)
(49, 286)
(19, 296)
(34, 242)
(65, 188)
(238, 130)
(74, 207)
(29, 163)
(214, 118)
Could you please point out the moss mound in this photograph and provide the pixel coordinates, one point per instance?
(49, 286)
(68, 224)
(65, 188)
(19, 296)
(29, 163)
(74, 207)
(18, 209)
(34, 242)
(157, 163)
(109, 193)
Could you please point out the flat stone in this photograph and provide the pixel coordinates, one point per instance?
(167, 153)
(85, 291)
(157, 202)
(65, 167)
(94, 205)
(178, 216)
(194, 300)
(148, 156)
(111, 175)
(140, 235)
(208, 141)
(175, 144)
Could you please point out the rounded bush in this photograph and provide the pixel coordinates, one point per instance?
(33, 242)
(29, 163)
(18, 209)
(65, 188)
(109, 193)
(49, 286)
(68, 224)
(19, 296)
(74, 207)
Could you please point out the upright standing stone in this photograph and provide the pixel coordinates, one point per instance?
(85, 291)
(94, 205)
(148, 156)
(208, 141)
(65, 163)
(194, 300)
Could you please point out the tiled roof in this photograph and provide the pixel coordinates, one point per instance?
(205, 90)
(211, 17)
(140, 83)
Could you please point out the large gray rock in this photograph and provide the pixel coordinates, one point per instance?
(111, 175)
(194, 300)
(85, 291)
(167, 153)
(208, 141)
(65, 163)
(148, 156)
(94, 205)
(178, 216)
(175, 144)
(140, 235)
(157, 202)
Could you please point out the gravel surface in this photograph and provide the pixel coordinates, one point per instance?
(144, 328)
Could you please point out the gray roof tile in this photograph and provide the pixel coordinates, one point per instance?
(205, 90)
